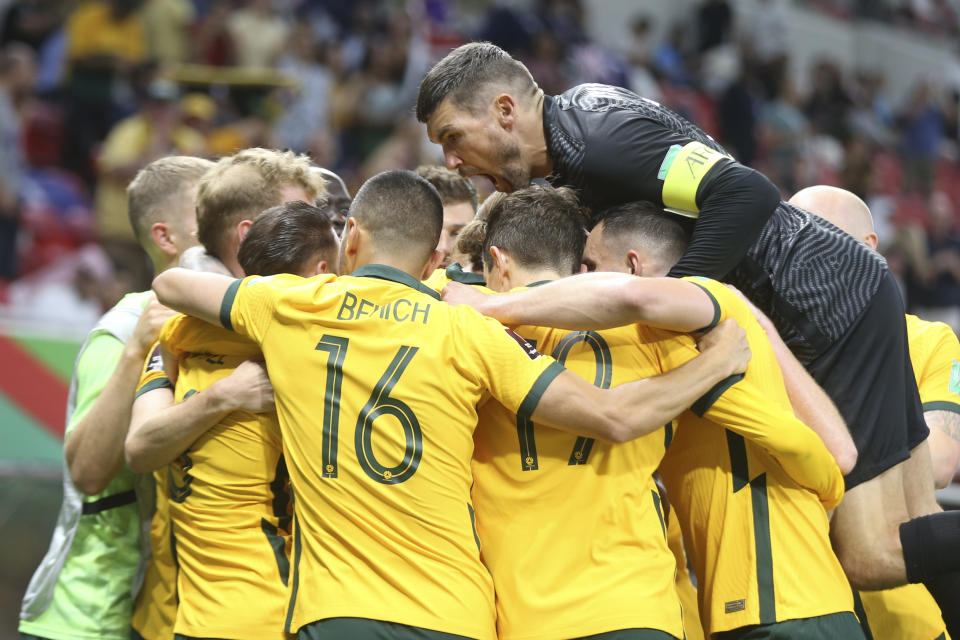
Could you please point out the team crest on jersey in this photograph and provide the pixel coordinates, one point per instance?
(156, 360)
(528, 348)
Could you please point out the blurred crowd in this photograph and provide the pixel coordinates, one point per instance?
(92, 91)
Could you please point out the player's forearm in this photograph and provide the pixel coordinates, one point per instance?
(593, 301)
(163, 435)
(94, 447)
(738, 203)
(944, 443)
(813, 406)
(630, 410)
(800, 451)
(194, 293)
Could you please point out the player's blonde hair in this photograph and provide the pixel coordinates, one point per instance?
(157, 189)
(242, 186)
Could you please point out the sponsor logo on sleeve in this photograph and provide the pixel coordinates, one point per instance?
(156, 360)
(528, 348)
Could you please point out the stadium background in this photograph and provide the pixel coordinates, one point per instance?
(861, 94)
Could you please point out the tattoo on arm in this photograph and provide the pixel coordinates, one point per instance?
(946, 421)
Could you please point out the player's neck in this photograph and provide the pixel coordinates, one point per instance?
(524, 277)
(535, 141)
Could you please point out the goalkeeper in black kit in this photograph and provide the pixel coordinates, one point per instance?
(833, 300)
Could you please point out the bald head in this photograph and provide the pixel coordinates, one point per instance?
(840, 208)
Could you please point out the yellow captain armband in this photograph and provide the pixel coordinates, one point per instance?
(682, 170)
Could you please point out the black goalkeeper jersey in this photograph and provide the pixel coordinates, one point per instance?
(613, 146)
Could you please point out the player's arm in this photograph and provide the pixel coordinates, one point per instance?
(810, 402)
(94, 444)
(590, 301)
(744, 410)
(735, 203)
(161, 430)
(645, 160)
(944, 443)
(637, 408)
(196, 294)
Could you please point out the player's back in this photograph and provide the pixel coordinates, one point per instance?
(758, 541)
(572, 529)
(229, 499)
(377, 384)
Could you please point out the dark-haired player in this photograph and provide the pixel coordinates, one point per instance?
(595, 556)
(377, 384)
(614, 147)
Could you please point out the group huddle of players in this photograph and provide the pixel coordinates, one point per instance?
(337, 437)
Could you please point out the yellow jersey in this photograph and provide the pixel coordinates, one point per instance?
(572, 529)
(910, 612)
(692, 629)
(758, 541)
(155, 610)
(377, 384)
(453, 273)
(228, 495)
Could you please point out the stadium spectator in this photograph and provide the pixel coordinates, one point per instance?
(105, 41)
(153, 132)
(933, 282)
(17, 75)
(259, 33)
(923, 131)
(167, 26)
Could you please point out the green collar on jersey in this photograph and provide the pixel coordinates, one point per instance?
(538, 283)
(393, 274)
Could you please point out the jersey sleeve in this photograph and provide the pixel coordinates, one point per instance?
(743, 409)
(513, 371)
(645, 160)
(153, 376)
(248, 306)
(94, 368)
(938, 379)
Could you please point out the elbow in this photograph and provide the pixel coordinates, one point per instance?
(87, 480)
(133, 453)
(846, 458)
(945, 465)
(161, 287)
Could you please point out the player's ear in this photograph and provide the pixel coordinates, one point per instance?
(351, 236)
(242, 227)
(871, 240)
(506, 109)
(634, 263)
(501, 260)
(432, 264)
(322, 267)
(162, 236)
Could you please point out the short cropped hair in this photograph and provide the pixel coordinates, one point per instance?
(645, 225)
(451, 186)
(401, 211)
(241, 186)
(158, 188)
(284, 238)
(465, 73)
(540, 226)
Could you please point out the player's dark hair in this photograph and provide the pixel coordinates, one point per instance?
(283, 239)
(401, 211)
(464, 74)
(451, 186)
(539, 226)
(643, 224)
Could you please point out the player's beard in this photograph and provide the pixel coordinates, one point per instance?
(512, 170)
